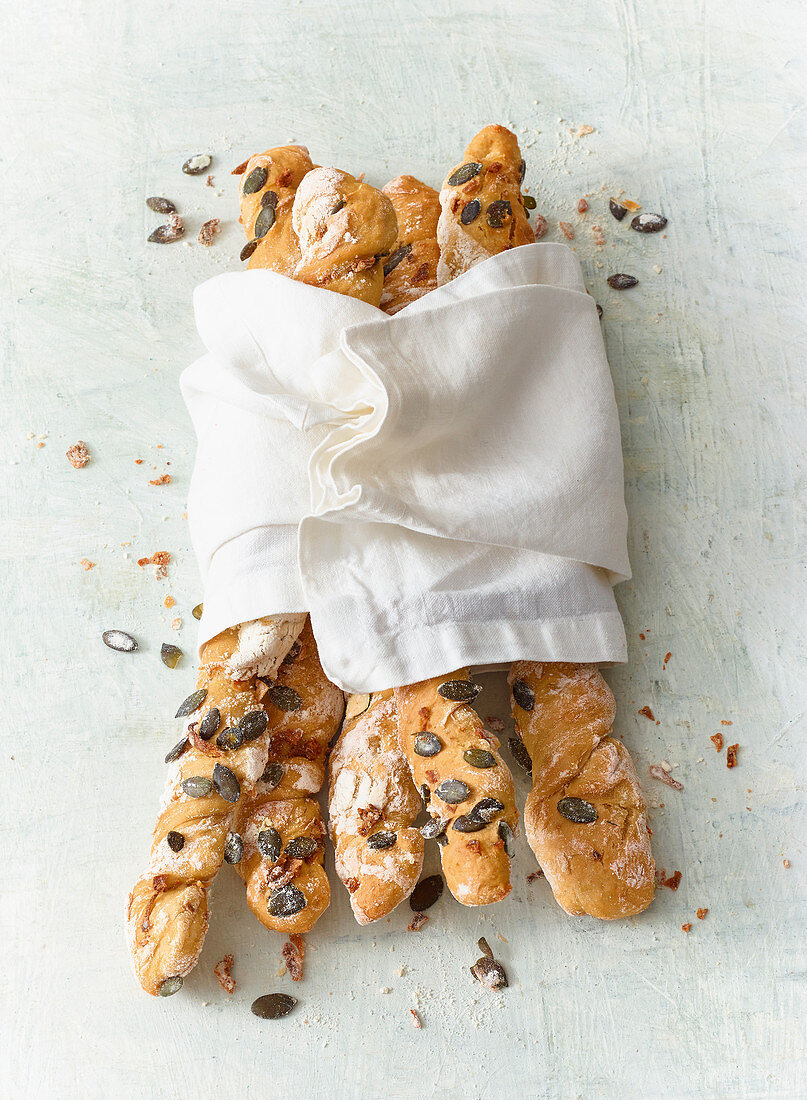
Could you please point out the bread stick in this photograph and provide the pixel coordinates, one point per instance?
(410, 271)
(267, 189)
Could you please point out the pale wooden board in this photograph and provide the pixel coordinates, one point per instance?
(698, 109)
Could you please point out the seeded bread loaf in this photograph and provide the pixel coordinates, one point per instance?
(372, 808)
(267, 189)
(585, 816)
(465, 783)
(410, 270)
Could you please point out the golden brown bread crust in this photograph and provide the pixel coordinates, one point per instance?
(476, 863)
(599, 865)
(372, 800)
(482, 208)
(410, 271)
(272, 179)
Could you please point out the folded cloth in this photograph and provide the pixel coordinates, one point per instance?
(439, 488)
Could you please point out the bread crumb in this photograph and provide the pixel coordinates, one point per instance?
(222, 971)
(164, 479)
(78, 455)
(686, 927)
(169, 601)
(416, 1020)
(731, 756)
(87, 564)
(701, 913)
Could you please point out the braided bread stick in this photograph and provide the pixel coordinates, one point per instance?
(372, 809)
(471, 799)
(585, 816)
(482, 208)
(411, 269)
(267, 188)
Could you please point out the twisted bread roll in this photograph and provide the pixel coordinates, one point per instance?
(372, 807)
(585, 816)
(469, 786)
(482, 208)
(411, 269)
(267, 190)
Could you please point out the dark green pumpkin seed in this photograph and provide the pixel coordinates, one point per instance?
(230, 738)
(459, 691)
(338, 206)
(192, 703)
(255, 180)
(621, 281)
(497, 212)
(520, 754)
(119, 640)
(226, 783)
(442, 840)
(426, 893)
(210, 723)
(170, 655)
(249, 248)
(272, 775)
(530, 202)
(285, 698)
(465, 173)
(253, 724)
(198, 786)
(176, 841)
(301, 847)
(164, 234)
(425, 794)
(264, 221)
(169, 987)
(453, 791)
(465, 823)
(486, 809)
(233, 848)
(471, 211)
(273, 1006)
(269, 198)
(577, 810)
(617, 209)
(506, 834)
(523, 694)
(194, 166)
(177, 751)
(648, 223)
(381, 840)
(484, 947)
(270, 844)
(479, 758)
(197, 611)
(490, 973)
(396, 258)
(433, 828)
(427, 744)
(522, 171)
(292, 656)
(286, 901)
(162, 206)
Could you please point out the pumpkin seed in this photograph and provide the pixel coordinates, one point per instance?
(285, 698)
(484, 947)
(160, 205)
(425, 793)
(177, 751)
(248, 249)
(198, 786)
(356, 705)
(490, 973)
(486, 809)
(273, 1006)
(530, 202)
(270, 844)
(264, 221)
(194, 166)
(226, 783)
(617, 209)
(433, 828)
(172, 231)
(465, 173)
(426, 893)
(381, 840)
(506, 834)
(191, 703)
(176, 841)
(292, 655)
(522, 171)
(119, 640)
(396, 258)
(170, 986)
(269, 198)
(621, 282)
(471, 211)
(170, 655)
(577, 810)
(253, 724)
(648, 223)
(523, 694)
(459, 691)
(301, 847)
(442, 840)
(453, 791)
(255, 181)
(427, 744)
(479, 758)
(230, 738)
(497, 212)
(286, 901)
(272, 775)
(520, 754)
(466, 823)
(338, 206)
(197, 611)
(210, 723)
(233, 848)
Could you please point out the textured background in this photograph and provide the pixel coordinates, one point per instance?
(698, 111)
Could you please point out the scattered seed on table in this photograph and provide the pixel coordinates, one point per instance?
(621, 281)
(273, 1006)
(119, 640)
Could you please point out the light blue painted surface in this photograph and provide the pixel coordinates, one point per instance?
(698, 111)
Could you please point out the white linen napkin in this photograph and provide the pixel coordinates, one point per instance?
(440, 488)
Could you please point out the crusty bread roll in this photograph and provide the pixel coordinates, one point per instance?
(410, 271)
(267, 189)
